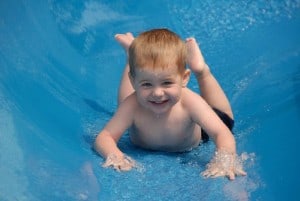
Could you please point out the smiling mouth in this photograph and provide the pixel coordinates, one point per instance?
(158, 102)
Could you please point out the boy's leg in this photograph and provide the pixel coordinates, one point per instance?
(210, 89)
(125, 88)
(212, 92)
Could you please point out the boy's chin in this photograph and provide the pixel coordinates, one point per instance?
(160, 111)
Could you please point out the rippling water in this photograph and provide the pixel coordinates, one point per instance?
(59, 73)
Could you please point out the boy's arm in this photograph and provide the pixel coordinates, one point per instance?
(107, 139)
(203, 115)
(224, 162)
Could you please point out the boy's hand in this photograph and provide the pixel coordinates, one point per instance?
(224, 164)
(124, 163)
(195, 59)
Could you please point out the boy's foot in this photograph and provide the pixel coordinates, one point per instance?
(125, 40)
(195, 59)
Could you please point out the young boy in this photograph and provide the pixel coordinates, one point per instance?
(159, 110)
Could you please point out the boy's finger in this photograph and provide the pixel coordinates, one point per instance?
(210, 173)
(231, 175)
(125, 167)
(107, 163)
(218, 174)
(241, 172)
(205, 173)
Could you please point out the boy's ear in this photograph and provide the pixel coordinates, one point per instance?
(186, 77)
(131, 79)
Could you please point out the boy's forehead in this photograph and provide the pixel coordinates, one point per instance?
(157, 71)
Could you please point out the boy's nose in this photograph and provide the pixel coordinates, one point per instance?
(158, 92)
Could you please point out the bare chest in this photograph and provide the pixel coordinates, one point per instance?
(169, 133)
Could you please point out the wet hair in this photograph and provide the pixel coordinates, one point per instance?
(157, 48)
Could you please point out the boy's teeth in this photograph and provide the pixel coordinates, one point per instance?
(159, 101)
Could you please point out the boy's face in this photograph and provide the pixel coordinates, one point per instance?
(159, 89)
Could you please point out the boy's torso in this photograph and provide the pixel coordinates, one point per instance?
(174, 131)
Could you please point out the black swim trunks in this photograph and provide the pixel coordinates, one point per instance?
(225, 118)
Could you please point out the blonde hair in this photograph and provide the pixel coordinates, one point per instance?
(157, 48)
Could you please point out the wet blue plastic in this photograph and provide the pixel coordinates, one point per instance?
(59, 73)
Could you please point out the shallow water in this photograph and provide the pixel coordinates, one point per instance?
(59, 73)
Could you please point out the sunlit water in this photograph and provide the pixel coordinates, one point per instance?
(59, 73)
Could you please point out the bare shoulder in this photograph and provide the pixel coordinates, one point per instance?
(195, 105)
(191, 99)
(123, 117)
(129, 104)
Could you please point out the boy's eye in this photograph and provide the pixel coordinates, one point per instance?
(167, 83)
(146, 84)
